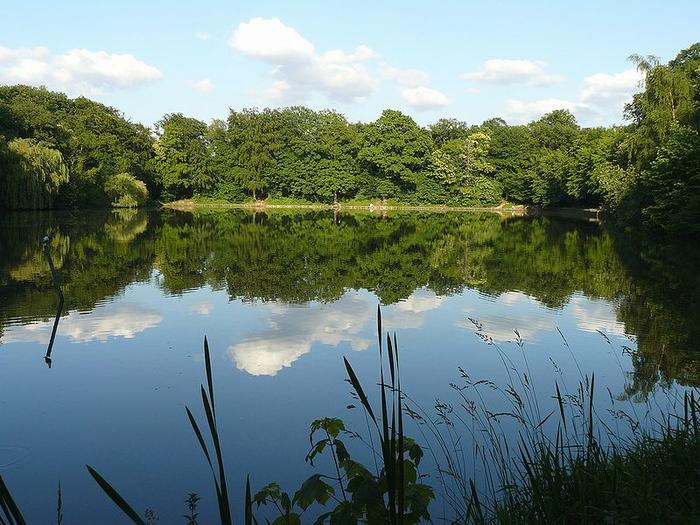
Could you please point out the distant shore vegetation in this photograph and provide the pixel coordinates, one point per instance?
(57, 152)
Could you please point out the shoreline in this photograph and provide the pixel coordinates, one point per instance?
(593, 214)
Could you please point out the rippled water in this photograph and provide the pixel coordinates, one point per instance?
(282, 297)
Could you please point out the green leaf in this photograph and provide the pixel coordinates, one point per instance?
(8, 505)
(313, 490)
(340, 450)
(343, 515)
(358, 390)
(318, 448)
(271, 492)
(115, 497)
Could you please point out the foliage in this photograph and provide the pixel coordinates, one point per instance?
(126, 191)
(300, 256)
(393, 149)
(639, 173)
(31, 174)
(182, 157)
(96, 141)
(394, 495)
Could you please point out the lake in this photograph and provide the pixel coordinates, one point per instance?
(282, 296)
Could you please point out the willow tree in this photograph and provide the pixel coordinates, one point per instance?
(31, 175)
(667, 100)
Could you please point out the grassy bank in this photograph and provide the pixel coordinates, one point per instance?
(505, 208)
(343, 205)
(377, 206)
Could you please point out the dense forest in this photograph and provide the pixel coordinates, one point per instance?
(61, 152)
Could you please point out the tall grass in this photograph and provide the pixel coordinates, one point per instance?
(507, 455)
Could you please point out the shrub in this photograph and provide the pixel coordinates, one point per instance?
(126, 191)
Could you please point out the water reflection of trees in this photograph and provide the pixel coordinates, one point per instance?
(298, 257)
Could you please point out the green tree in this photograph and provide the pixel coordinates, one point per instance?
(126, 191)
(253, 136)
(394, 150)
(31, 174)
(447, 129)
(182, 156)
(96, 141)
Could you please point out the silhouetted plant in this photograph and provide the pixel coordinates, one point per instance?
(393, 495)
(219, 475)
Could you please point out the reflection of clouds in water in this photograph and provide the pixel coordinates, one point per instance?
(518, 311)
(203, 308)
(115, 320)
(409, 312)
(292, 330)
(522, 313)
(594, 314)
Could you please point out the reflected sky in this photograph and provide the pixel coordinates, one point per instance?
(291, 331)
(104, 322)
(282, 299)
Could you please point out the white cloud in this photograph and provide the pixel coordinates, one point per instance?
(605, 95)
(603, 86)
(420, 301)
(202, 35)
(404, 77)
(299, 70)
(77, 71)
(10, 54)
(424, 98)
(277, 91)
(508, 72)
(270, 39)
(112, 320)
(292, 331)
(600, 101)
(205, 85)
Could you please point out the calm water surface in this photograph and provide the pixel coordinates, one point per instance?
(282, 297)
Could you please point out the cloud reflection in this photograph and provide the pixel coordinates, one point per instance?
(115, 320)
(409, 313)
(292, 330)
(594, 315)
(511, 311)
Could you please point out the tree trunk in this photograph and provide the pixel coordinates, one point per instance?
(254, 194)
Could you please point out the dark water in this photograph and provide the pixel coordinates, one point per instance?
(282, 297)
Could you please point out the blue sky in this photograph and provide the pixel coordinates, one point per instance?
(469, 60)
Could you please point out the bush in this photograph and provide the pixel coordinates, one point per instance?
(126, 191)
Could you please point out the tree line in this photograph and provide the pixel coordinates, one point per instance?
(61, 152)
